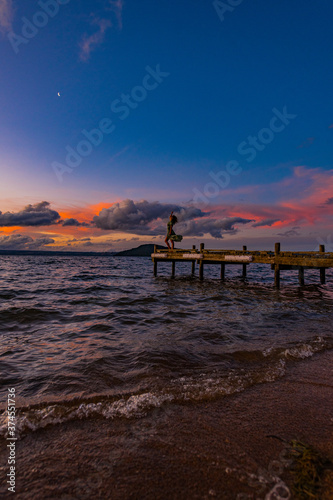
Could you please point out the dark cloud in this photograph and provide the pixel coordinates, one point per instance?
(73, 223)
(290, 232)
(214, 227)
(32, 215)
(129, 215)
(329, 201)
(266, 222)
(70, 222)
(22, 242)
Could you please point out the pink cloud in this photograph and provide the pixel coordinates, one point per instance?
(307, 142)
(89, 43)
(117, 7)
(304, 198)
(6, 15)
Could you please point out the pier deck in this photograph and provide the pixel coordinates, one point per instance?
(279, 261)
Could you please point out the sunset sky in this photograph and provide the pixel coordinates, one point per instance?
(114, 113)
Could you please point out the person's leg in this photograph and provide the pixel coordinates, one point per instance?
(172, 244)
(167, 243)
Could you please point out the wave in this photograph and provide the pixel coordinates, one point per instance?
(301, 350)
(182, 390)
(29, 314)
(193, 388)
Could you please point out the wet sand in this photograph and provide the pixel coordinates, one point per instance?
(213, 450)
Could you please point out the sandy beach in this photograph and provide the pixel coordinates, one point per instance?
(214, 450)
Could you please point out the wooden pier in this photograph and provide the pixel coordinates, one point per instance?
(279, 261)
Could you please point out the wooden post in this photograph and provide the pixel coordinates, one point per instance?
(155, 262)
(277, 267)
(244, 265)
(301, 275)
(193, 263)
(173, 269)
(322, 269)
(202, 246)
(222, 271)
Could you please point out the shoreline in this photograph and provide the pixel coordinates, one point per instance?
(217, 449)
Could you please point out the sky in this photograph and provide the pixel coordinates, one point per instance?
(115, 113)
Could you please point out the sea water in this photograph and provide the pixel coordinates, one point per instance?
(86, 337)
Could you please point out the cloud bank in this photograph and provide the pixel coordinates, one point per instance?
(129, 215)
(32, 215)
(145, 217)
(23, 242)
(39, 214)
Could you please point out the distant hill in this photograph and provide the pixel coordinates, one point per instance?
(141, 251)
(56, 253)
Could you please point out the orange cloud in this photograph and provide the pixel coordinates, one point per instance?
(11, 229)
(84, 214)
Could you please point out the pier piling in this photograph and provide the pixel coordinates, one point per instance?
(155, 261)
(277, 266)
(322, 269)
(244, 265)
(193, 263)
(301, 275)
(222, 271)
(202, 247)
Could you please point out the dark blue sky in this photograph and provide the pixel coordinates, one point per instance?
(223, 74)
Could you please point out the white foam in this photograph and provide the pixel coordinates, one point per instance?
(303, 351)
(134, 406)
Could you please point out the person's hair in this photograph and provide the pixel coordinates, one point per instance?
(174, 219)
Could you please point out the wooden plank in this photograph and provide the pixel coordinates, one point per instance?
(310, 262)
(192, 256)
(238, 258)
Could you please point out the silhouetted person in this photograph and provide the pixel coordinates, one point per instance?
(171, 235)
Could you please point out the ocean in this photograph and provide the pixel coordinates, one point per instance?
(101, 339)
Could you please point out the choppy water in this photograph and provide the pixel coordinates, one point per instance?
(100, 336)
